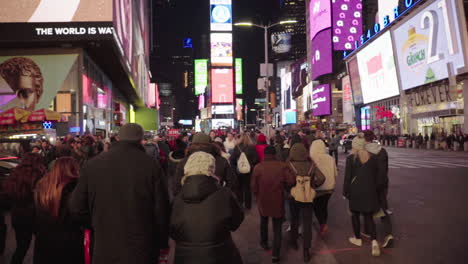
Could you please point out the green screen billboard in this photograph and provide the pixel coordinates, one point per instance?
(201, 76)
(239, 80)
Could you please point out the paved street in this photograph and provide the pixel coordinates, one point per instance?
(428, 197)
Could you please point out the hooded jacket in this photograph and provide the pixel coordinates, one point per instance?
(260, 147)
(203, 217)
(223, 170)
(326, 164)
(382, 161)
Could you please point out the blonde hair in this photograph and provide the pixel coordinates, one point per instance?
(358, 149)
(245, 139)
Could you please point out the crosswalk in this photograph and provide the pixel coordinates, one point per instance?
(415, 162)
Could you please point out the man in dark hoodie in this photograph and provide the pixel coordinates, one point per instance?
(382, 158)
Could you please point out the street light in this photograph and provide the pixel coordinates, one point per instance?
(267, 77)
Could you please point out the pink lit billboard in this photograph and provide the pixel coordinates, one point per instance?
(320, 16)
(347, 23)
(222, 86)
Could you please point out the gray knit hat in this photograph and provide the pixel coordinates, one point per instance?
(201, 138)
(131, 132)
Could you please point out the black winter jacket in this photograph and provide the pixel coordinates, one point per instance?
(249, 151)
(203, 217)
(58, 240)
(122, 192)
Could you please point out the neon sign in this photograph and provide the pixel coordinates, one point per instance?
(47, 125)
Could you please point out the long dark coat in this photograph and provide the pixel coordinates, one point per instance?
(203, 217)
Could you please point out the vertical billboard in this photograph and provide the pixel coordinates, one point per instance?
(347, 23)
(307, 97)
(299, 72)
(429, 45)
(321, 100)
(201, 76)
(288, 104)
(221, 49)
(377, 70)
(322, 59)
(347, 100)
(239, 108)
(320, 16)
(221, 15)
(222, 86)
(239, 76)
(353, 70)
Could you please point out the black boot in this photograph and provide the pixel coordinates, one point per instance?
(264, 245)
(306, 255)
(275, 259)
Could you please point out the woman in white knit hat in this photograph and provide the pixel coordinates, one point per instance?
(361, 189)
(203, 216)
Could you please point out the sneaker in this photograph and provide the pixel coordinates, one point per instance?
(375, 248)
(389, 212)
(365, 235)
(355, 241)
(388, 242)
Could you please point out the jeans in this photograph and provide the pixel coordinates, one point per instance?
(245, 194)
(277, 233)
(23, 236)
(307, 211)
(335, 154)
(321, 208)
(368, 222)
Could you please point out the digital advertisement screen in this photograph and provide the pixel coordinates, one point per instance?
(281, 42)
(307, 97)
(299, 72)
(365, 118)
(221, 49)
(321, 100)
(347, 23)
(201, 76)
(239, 107)
(201, 101)
(320, 16)
(186, 122)
(222, 86)
(347, 100)
(151, 100)
(222, 109)
(222, 123)
(239, 76)
(386, 8)
(322, 59)
(353, 70)
(377, 70)
(221, 15)
(427, 43)
(288, 104)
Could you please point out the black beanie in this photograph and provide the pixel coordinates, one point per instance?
(131, 132)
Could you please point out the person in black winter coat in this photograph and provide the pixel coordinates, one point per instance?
(175, 157)
(245, 145)
(204, 215)
(59, 237)
(123, 194)
(201, 142)
(361, 187)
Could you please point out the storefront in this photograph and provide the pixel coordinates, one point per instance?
(382, 117)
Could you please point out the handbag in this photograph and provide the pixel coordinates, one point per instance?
(319, 178)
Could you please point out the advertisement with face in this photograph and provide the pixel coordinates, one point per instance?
(281, 42)
(201, 76)
(222, 123)
(299, 72)
(221, 15)
(288, 104)
(353, 70)
(322, 62)
(221, 49)
(321, 100)
(320, 16)
(429, 45)
(222, 86)
(32, 82)
(347, 100)
(347, 23)
(307, 97)
(377, 70)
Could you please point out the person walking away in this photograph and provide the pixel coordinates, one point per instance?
(175, 157)
(222, 150)
(382, 164)
(260, 147)
(18, 188)
(333, 146)
(269, 179)
(361, 185)
(302, 196)
(59, 236)
(245, 146)
(230, 143)
(326, 165)
(204, 215)
(201, 142)
(123, 194)
(151, 149)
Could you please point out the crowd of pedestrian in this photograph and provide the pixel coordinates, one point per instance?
(90, 200)
(455, 141)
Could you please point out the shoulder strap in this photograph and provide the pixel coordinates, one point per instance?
(294, 168)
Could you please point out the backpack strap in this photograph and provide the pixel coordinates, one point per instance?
(294, 168)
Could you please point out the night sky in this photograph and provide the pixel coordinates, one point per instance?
(184, 18)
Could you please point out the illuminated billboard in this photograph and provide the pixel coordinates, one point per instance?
(429, 45)
(239, 108)
(222, 123)
(377, 70)
(201, 76)
(239, 76)
(288, 104)
(321, 100)
(322, 62)
(320, 16)
(222, 109)
(221, 15)
(353, 70)
(221, 49)
(222, 86)
(347, 23)
(347, 100)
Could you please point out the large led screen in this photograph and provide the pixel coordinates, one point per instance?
(222, 123)
(307, 97)
(288, 104)
(353, 70)
(322, 62)
(201, 76)
(347, 100)
(377, 70)
(222, 86)
(221, 49)
(429, 44)
(320, 16)
(299, 72)
(321, 100)
(347, 23)
(239, 76)
(221, 15)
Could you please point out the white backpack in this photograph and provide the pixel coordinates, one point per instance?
(243, 164)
